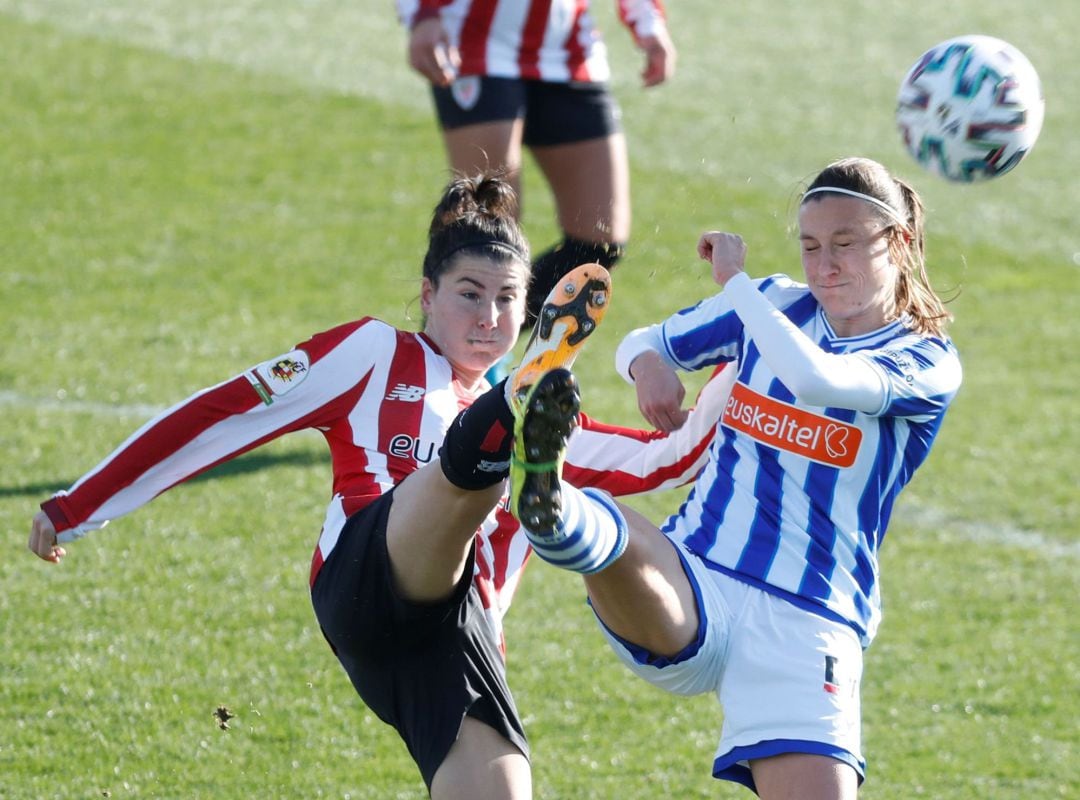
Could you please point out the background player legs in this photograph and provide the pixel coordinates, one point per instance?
(486, 147)
(590, 181)
(482, 764)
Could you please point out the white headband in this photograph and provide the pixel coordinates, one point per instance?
(892, 212)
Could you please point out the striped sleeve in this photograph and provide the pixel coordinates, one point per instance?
(626, 461)
(922, 375)
(816, 377)
(642, 17)
(708, 333)
(302, 388)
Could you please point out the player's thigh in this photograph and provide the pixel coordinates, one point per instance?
(482, 763)
(430, 531)
(575, 133)
(590, 181)
(804, 776)
(485, 147)
(669, 628)
(482, 120)
(646, 597)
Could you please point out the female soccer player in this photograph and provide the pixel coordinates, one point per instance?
(510, 73)
(764, 586)
(414, 570)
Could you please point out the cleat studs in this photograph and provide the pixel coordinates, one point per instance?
(587, 325)
(569, 289)
(599, 299)
(550, 312)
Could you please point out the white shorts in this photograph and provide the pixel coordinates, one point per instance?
(787, 679)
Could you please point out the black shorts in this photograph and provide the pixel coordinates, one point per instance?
(420, 667)
(554, 113)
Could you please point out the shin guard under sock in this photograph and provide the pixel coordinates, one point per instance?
(591, 533)
(475, 453)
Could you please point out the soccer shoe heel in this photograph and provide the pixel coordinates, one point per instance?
(572, 311)
(543, 423)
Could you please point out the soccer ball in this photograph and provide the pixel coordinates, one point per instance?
(970, 109)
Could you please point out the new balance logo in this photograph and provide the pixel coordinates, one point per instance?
(407, 393)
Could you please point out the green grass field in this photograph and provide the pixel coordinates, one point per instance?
(188, 188)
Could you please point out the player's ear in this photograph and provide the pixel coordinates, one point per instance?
(427, 295)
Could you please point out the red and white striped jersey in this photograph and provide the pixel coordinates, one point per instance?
(547, 40)
(383, 399)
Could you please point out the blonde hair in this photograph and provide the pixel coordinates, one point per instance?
(914, 296)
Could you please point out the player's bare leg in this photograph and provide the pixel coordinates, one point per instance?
(482, 764)
(633, 573)
(644, 596)
(590, 181)
(804, 776)
(487, 146)
(430, 529)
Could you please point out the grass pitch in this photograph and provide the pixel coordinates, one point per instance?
(189, 188)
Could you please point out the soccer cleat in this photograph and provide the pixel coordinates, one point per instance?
(570, 313)
(543, 422)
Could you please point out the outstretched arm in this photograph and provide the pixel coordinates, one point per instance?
(814, 376)
(626, 461)
(300, 389)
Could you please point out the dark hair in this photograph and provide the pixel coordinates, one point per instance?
(476, 215)
(915, 296)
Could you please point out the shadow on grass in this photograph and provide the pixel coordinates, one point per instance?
(252, 462)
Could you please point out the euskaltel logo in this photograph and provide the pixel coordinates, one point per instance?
(792, 429)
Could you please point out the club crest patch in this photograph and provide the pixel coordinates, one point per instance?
(466, 92)
(280, 375)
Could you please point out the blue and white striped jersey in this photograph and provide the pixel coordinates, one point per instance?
(796, 498)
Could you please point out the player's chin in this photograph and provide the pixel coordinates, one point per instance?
(486, 357)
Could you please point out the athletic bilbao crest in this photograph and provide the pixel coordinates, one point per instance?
(466, 92)
(279, 375)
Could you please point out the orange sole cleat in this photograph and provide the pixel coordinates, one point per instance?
(569, 315)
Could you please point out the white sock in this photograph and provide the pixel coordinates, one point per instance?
(591, 533)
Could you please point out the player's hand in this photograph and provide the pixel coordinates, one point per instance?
(43, 539)
(431, 54)
(660, 393)
(659, 58)
(725, 251)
